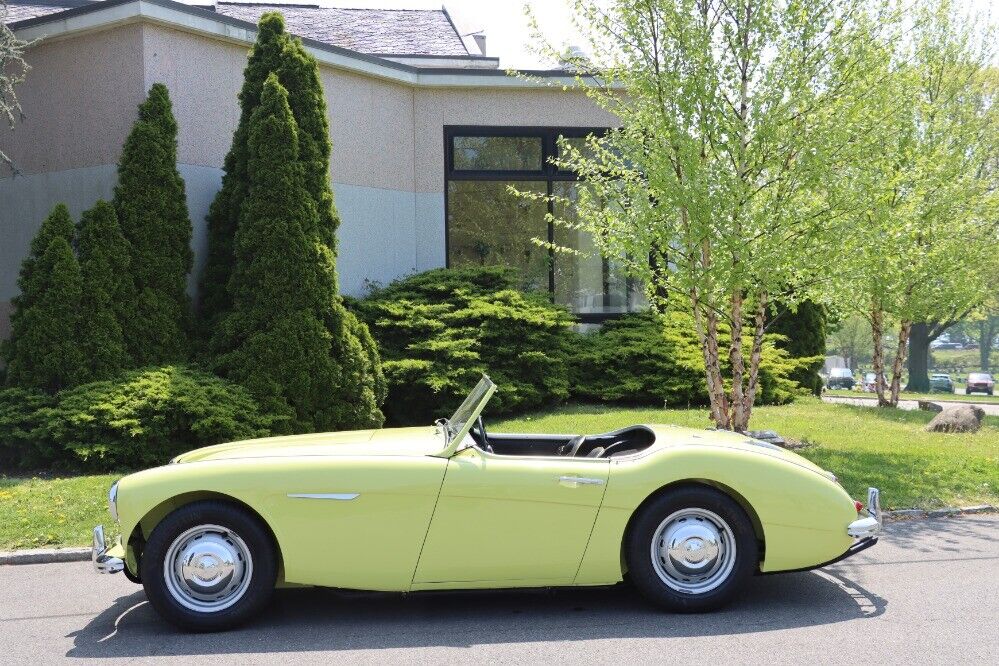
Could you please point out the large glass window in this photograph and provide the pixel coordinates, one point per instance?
(490, 226)
(487, 225)
(497, 153)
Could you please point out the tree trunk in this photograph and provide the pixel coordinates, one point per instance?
(737, 402)
(759, 327)
(896, 369)
(986, 334)
(919, 358)
(878, 359)
(706, 326)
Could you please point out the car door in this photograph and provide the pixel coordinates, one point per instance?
(512, 521)
(353, 522)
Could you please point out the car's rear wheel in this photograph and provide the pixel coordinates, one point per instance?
(208, 566)
(691, 549)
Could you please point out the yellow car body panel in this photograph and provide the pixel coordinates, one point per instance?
(510, 522)
(383, 510)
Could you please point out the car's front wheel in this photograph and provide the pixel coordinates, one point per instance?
(691, 549)
(209, 566)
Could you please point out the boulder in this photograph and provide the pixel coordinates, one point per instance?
(965, 418)
(769, 436)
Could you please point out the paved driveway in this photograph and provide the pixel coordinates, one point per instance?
(928, 593)
(991, 408)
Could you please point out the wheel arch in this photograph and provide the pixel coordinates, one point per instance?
(145, 526)
(725, 489)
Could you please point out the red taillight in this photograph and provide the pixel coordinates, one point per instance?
(859, 505)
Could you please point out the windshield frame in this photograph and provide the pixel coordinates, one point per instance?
(456, 428)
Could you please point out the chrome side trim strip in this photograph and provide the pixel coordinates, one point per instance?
(330, 496)
(576, 481)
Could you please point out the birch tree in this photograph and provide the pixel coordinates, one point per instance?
(732, 114)
(926, 233)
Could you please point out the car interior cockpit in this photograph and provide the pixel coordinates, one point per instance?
(615, 444)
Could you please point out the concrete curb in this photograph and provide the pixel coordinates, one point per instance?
(44, 555)
(54, 555)
(904, 514)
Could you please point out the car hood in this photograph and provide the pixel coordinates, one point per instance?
(667, 435)
(383, 442)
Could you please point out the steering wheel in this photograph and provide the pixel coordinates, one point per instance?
(619, 444)
(482, 433)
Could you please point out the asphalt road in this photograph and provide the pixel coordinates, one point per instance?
(991, 408)
(928, 593)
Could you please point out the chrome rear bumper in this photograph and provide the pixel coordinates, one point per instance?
(869, 526)
(104, 563)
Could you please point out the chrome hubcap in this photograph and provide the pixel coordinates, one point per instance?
(208, 568)
(693, 551)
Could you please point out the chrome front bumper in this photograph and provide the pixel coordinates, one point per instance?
(104, 563)
(870, 526)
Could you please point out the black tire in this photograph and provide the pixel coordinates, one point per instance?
(643, 569)
(253, 594)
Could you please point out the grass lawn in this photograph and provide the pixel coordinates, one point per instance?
(56, 512)
(862, 445)
(904, 395)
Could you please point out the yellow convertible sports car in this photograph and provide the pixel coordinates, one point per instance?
(688, 514)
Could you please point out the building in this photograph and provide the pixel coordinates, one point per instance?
(427, 134)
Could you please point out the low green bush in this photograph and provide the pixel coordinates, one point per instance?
(141, 419)
(438, 331)
(645, 359)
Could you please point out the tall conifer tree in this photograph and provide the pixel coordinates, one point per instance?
(361, 384)
(152, 211)
(284, 303)
(223, 216)
(45, 351)
(107, 291)
(58, 224)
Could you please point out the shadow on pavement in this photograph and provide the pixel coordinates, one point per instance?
(303, 620)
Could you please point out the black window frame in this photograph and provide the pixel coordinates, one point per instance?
(548, 174)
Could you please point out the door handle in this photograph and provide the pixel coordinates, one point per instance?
(576, 481)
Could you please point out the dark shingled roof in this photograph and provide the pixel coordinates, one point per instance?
(426, 32)
(22, 10)
(378, 31)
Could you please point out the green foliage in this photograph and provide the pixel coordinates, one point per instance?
(58, 224)
(152, 211)
(141, 419)
(44, 350)
(438, 331)
(108, 291)
(223, 215)
(299, 74)
(644, 359)
(712, 189)
(21, 421)
(804, 334)
(288, 337)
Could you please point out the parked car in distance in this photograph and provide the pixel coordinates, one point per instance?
(869, 383)
(690, 515)
(941, 383)
(979, 382)
(840, 378)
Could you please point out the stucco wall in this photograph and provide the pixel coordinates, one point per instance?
(79, 101)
